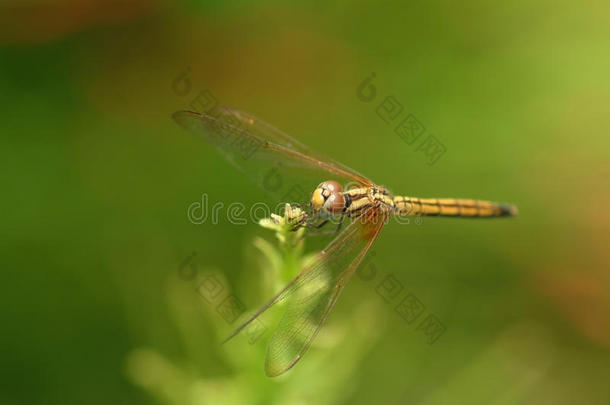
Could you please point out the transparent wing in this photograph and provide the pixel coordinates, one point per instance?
(267, 131)
(313, 293)
(310, 305)
(282, 166)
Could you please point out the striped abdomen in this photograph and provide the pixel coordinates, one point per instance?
(451, 207)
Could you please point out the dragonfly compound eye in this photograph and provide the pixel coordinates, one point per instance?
(318, 198)
(335, 203)
(332, 186)
(328, 195)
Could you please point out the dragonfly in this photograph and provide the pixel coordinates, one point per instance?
(333, 191)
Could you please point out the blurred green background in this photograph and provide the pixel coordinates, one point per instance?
(97, 178)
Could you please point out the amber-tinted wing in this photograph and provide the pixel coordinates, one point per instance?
(282, 166)
(313, 293)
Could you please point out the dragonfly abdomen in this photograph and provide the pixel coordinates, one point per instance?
(451, 207)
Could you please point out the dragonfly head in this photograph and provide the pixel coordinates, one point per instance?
(328, 198)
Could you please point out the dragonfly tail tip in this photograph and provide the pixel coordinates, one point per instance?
(508, 210)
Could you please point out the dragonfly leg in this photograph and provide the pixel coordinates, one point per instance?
(318, 226)
(340, 224)
(308, 225)
(333, 232)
